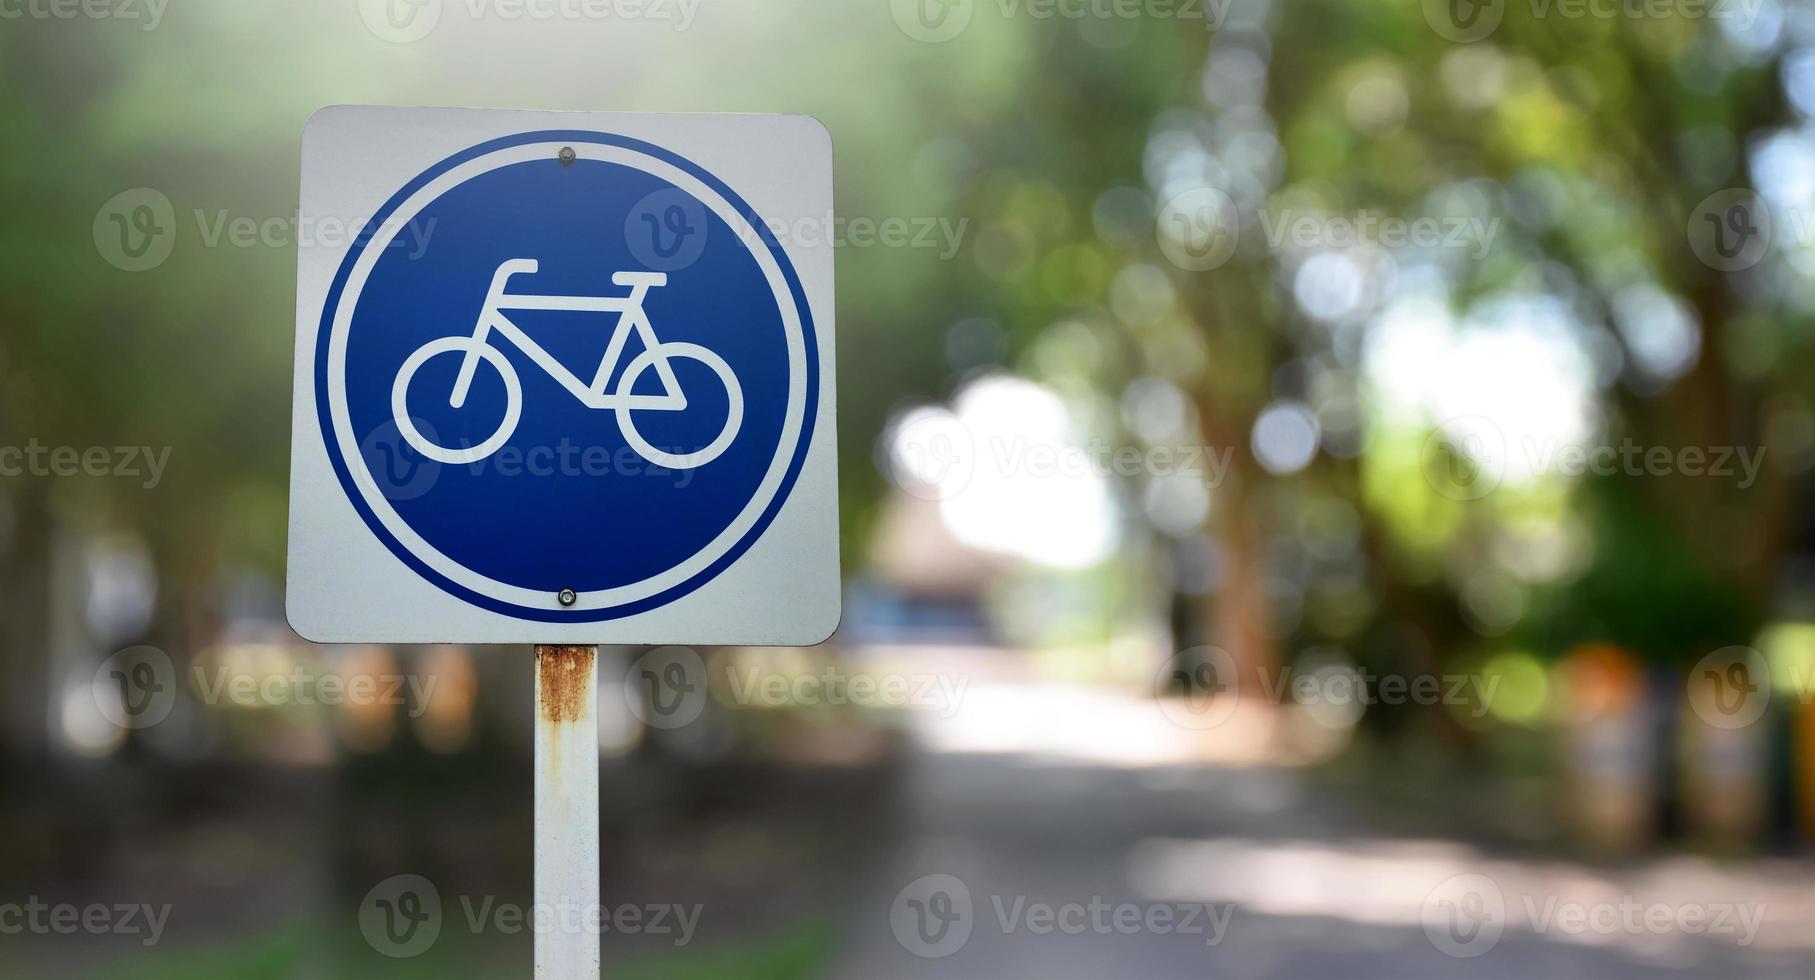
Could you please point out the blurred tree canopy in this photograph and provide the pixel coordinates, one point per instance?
(1586, 143)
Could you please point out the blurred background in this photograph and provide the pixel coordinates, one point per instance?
(1339, 466)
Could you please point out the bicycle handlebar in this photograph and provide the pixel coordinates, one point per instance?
(637, 281)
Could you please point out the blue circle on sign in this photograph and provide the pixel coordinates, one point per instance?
(600, 352)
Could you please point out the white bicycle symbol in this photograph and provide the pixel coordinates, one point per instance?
(631, 316)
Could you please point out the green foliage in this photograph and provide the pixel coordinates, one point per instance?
(295, 952)
(1646, 589)
(1589, 138)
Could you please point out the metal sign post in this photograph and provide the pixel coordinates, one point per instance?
(567, 812)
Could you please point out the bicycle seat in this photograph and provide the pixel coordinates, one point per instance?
(645, 279)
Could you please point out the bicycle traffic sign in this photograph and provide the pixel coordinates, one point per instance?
(567, 385)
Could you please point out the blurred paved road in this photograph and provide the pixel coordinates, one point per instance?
(1307, 896)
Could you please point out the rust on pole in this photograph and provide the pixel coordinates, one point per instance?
(561, 689)
(567, 813)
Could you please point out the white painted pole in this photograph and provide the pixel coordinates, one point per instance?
(567, 813)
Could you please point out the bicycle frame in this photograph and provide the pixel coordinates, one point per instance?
(630, 317)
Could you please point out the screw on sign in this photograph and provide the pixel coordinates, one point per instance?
(596, 408)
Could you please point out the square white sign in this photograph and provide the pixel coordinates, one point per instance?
(564, 378)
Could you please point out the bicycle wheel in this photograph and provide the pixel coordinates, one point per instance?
(734, 397)
(513, 401)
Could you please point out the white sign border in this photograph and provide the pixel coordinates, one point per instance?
(346, 585)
